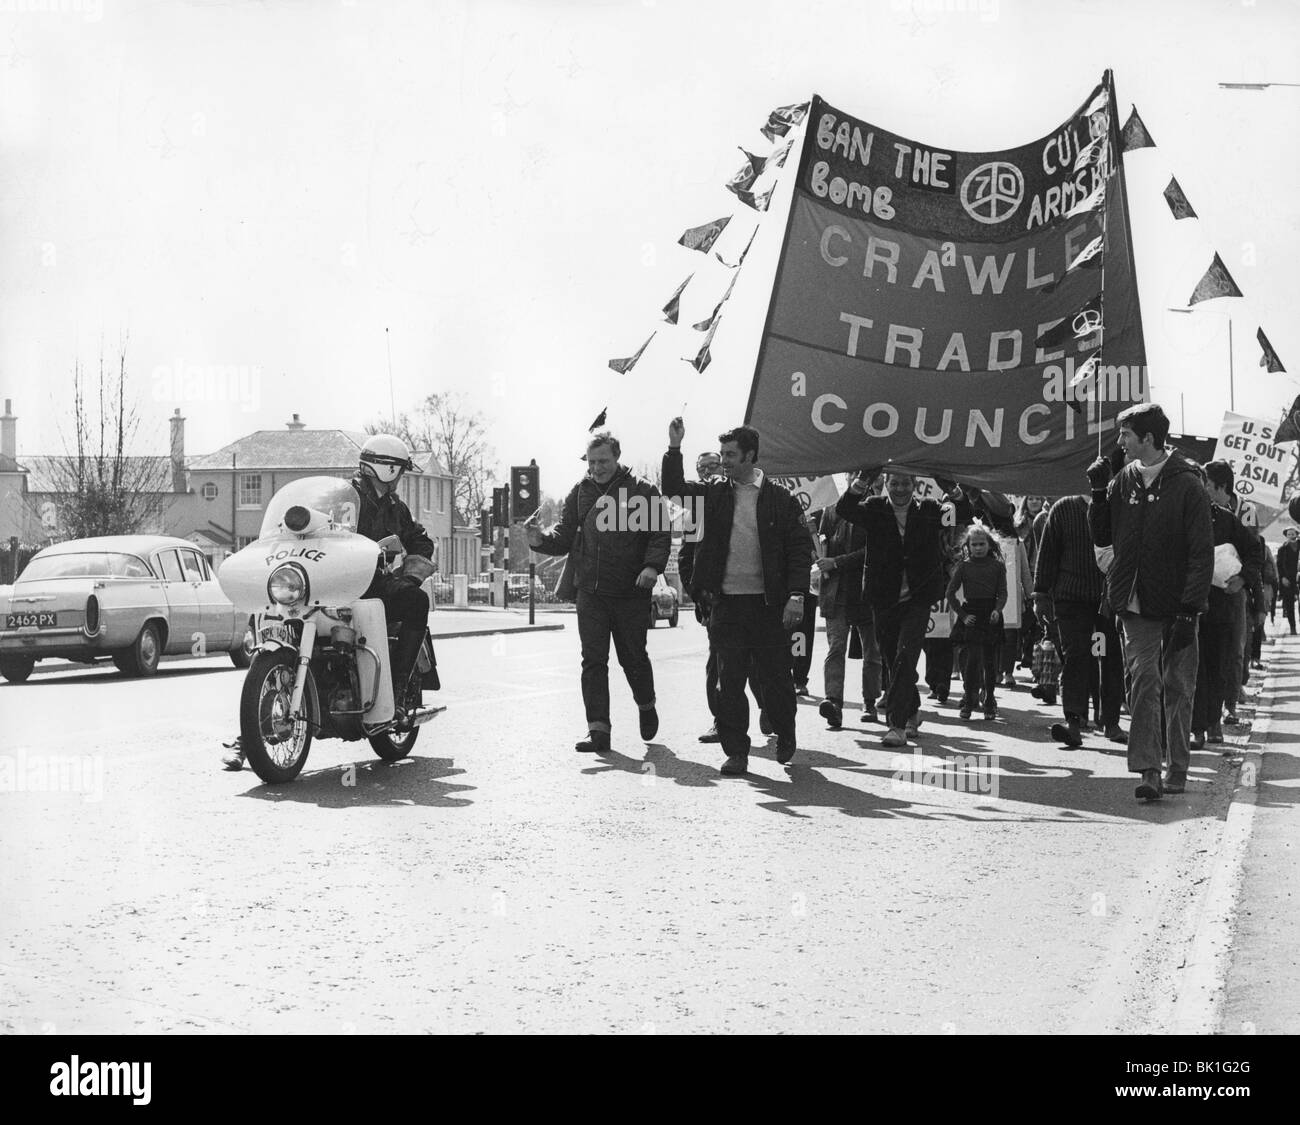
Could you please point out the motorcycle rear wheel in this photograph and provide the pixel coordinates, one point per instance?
(393, 746)
(276, 749)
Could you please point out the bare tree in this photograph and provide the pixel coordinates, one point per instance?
(96, 486)
(457, 434)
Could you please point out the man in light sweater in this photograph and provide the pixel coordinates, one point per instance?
(752, 565)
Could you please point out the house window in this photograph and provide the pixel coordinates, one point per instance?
(250, 490)
(442, 497)
(243, 541)
(209, 491)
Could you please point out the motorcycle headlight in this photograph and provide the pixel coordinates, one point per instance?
(288, 584)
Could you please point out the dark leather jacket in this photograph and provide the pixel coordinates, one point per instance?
(381, 516)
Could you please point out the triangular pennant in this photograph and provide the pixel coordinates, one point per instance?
(1135, 134)
(758, 163)
(1269, 359)
(704, 357)
(1086, 322)
(674, 302)
(1080, 389)
(623, 366)
(703, 237)
(712, 318)
(1289, 430)
(600, 420)
(758, 202)
(739, 261)
(1091, 203)
(782, 119)
(1091, 153)
(1217, 282)
(1090, 257)
(778, 157)
(1100, 100)
(742, 180)
(1177, 201)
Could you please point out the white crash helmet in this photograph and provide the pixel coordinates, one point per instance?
(385, 456)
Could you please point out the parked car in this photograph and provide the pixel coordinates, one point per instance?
(518, 586)
(664, 603)
(134, 598)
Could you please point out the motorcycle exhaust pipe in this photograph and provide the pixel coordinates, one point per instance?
(424, 714)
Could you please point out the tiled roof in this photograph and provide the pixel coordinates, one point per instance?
(298, 449)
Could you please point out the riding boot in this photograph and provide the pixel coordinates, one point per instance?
(405, 653)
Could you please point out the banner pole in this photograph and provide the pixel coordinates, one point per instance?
(780, 262)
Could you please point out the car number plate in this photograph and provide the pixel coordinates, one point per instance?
(38, 620)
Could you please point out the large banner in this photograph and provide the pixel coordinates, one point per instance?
(1259, 465)
(938, 309)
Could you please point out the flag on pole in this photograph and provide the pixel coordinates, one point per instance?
(1177, 200)
(758, 202)
(778, 157)
(703, 358)
(1086, 322)
(702, 238)
(712, 318)
(1289, 430)
(1092, 203)
(739, 261)
(1217, 282)
(1268, 360)
(674, 302)
(1135, 134)
(600, 420)
(782, 119)
(623, 366)
(758, 163)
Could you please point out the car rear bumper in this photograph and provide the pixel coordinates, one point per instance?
(69, 642)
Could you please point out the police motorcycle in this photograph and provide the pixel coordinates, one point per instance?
(322, 663)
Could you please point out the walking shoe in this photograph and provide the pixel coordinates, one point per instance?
(785, 748)
(870, 715)
(1175, 783)
(1149, 787)
(596, 742)
(1214, 734)
(235, 759)
(1037, 691)
(1258, 665)
(802, 689)
(1231, 720)
(736, 765)
(711, 735)
(1115, 733)
(764, 723)
(1008, 680)
(894, 737)
(934, 694)
(649, 723)
(832, 712)
(943, 697)
(990, 713)
(1198, 739)
(1067, 733)
(965, 712)
(914, 725)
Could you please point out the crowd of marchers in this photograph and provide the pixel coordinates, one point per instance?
(1146, 593)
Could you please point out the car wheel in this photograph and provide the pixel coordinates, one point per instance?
(672, 619)
(17, 669)
(141, 659)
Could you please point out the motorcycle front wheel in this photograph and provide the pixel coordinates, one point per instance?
(276, 747)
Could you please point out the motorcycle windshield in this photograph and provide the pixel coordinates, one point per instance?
(332, 495)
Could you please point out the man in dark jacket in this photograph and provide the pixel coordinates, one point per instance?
(615, 525)
(1068, 586)
(844, 609)
(904, 576)
(1288, 555)
(752, 565)
(1156, 515)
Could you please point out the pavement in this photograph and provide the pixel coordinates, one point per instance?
(472, 621)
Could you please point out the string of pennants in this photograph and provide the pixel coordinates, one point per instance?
(1216, 281)
(701, 239)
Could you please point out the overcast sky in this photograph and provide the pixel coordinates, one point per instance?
(258, 190)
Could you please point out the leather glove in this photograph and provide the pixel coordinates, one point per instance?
(1099, 474)
(1183, 632)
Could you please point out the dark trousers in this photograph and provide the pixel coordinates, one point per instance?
(711, 683)
(801, 641)
(901, 631)
(1009, 651)
(408, 605)
(979, 671)
(747, 634)
(1288, 607)
(1207, 704)
(938, 665)
(1080, 627)
(626, 620)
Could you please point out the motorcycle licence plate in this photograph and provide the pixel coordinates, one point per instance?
(277, 633)
(38, 620)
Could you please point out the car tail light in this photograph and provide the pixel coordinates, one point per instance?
(92, 615)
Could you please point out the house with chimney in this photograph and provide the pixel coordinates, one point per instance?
(217, 500)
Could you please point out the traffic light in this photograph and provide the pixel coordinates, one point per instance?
(485, 526)
(501, 506)
(525, 495)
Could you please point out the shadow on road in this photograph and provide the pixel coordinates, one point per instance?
(659, 761)
(107, 674)
(413, 782)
